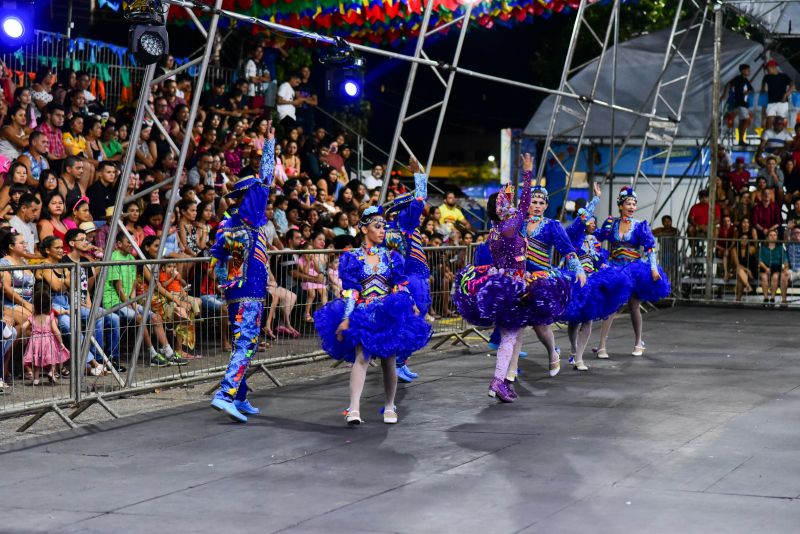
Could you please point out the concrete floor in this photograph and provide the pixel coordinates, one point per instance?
(700, 435)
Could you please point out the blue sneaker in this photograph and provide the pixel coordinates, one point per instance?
(494, 346)
(411, 373)
(246, 408)
(222, 404)
(523, 354)
(403, 376)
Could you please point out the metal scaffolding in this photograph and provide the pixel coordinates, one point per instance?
(585, 102)
(663, 115)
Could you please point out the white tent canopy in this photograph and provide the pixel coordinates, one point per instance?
(639, 62)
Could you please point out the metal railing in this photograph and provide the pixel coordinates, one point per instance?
(190, 317)
(740, 276)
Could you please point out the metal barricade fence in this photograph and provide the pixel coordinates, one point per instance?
(738, 274)
(189, 320)
(38, 372)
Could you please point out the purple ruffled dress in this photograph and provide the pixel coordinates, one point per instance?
(487, 295)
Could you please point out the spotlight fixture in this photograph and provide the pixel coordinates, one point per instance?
(341, 54)
(351, 88)
(16, 24)
(149, 41)
(344, 77)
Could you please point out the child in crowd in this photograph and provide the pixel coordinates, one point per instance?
(45, 346)
(314, 265)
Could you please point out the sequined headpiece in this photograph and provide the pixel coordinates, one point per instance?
(626, 193)
(368, 215)
(505, 202)
(541, 192)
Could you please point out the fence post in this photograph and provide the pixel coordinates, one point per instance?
(76, 369)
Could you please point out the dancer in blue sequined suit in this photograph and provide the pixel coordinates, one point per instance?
(402, 235)
(375, 318)
(554, 286)
(239, 259)
(607, 287)
(626, 237)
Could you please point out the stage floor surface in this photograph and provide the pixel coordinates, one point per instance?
(700, 435)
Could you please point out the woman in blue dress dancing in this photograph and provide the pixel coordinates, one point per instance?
(376, 316)
(632, 247)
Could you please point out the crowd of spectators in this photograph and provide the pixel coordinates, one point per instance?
(60, 157)
(756, 214)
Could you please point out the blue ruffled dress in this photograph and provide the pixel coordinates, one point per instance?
(625, 253)
(607, 287)
(551, 288)
(382, 320)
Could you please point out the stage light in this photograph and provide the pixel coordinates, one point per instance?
(149, 40)
(16, 24)
(13, 27)
(351, 88)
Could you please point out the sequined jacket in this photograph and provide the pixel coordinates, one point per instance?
(590, 251)
(239, 254)
(402, 234)
(505, 240)
(547, 235)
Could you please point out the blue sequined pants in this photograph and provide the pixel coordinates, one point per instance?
(245, 318)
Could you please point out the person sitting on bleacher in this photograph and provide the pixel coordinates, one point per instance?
(793, 252)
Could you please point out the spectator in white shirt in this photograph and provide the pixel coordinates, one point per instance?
(24, 223)
(288, 102)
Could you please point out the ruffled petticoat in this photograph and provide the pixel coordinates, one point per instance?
(384, 328)
(605, 291)
(485, 296)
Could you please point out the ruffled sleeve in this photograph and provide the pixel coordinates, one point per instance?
(561, 242)
(643, 237)
(349, 267)
(606, 231)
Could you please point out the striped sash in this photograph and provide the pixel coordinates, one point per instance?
(625, 252)
(587, 263)
(538, 252)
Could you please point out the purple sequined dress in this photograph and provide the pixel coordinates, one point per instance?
(487, 295)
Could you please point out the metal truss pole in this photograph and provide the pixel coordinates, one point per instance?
(712, 176)
(664, 132)
(563, 86)
(585, 106)
(412, 75)
(116, 225)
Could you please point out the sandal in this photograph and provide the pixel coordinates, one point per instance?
(353, 418)
(308, 319)
(268, 333)
(64, 372)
